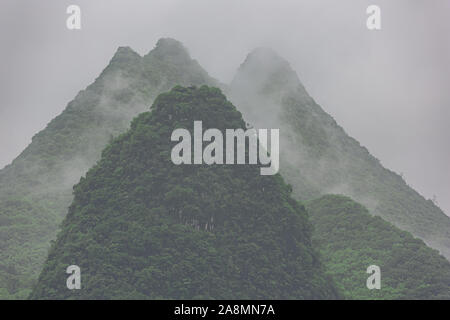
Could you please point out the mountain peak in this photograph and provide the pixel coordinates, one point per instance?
(264, 53)
(264, 71)
(170, 43)
(170, 49)
(125, 54)
(266, 60)
(173, 226)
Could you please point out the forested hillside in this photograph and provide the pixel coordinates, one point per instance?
(350, 240)
(36, 189)
(143, 227)
(318, 157)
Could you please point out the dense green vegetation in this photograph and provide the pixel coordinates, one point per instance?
(142, 227)
(350, 240)
(318, 157)
(230, 231)
(36, 189)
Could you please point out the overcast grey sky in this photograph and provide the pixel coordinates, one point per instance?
(390, 89)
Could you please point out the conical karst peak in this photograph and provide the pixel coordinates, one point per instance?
(123, 58)
(180, 218)
(171, 57)
(263, 67)
(265, 55)
(124, 54)
(170, 49)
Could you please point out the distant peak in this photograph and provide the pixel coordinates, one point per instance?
(264, 69)
(170, 49)
(124, 52)
(170, 44)
(264, 52)
(267, 59)
(124, 56)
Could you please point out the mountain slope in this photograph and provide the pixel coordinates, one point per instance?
(36, 189)
(318, 157)
(350, 240)
(143, 227)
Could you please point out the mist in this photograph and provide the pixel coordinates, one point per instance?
(388, 88)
